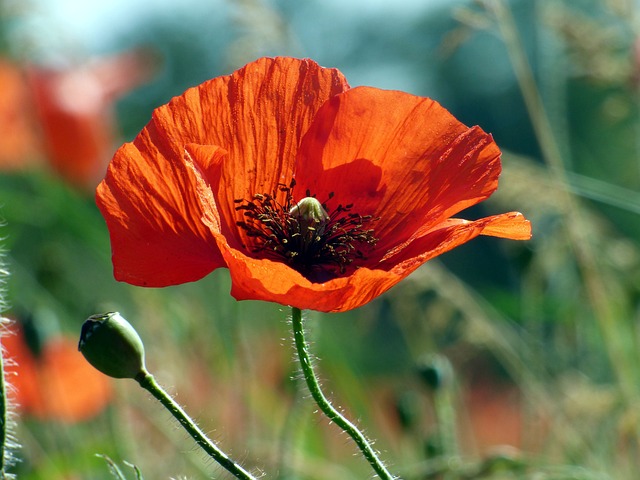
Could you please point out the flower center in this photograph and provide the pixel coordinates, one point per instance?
(317, 244)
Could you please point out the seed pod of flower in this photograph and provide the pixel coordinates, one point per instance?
(112, 346)
(312, 217)
(311, 210)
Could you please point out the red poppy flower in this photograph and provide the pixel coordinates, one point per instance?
(18, 140)
(215, 178)
(58, 384)
(65, 115)
(74, 107)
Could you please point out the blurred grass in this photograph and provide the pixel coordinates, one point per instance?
(542, 337)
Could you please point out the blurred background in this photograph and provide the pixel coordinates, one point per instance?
(498, 360)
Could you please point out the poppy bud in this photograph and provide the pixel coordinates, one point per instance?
(432, 446)
(408, 410)
(435, 371)
(112, 346)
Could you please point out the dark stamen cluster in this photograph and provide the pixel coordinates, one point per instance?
(318, 246)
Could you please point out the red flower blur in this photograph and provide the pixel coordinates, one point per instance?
(57, 384)
(66, 114)
(215, 178)
(18, 143)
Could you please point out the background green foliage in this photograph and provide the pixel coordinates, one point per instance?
(545, 332)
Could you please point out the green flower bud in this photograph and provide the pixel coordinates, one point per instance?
(112, 346)
(435, 371)
(408, 409)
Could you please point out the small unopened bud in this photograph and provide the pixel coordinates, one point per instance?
(435, 371)
(112, 346)
(312, 217)
(408, 410)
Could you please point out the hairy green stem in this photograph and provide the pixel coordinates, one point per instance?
(4, 418)
(325, 405)
(148, 382)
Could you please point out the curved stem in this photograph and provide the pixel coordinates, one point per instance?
(325, 405)
(148, 382)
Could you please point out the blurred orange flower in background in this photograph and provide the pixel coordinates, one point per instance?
(65, 115)
(19, 141)
(215, 178)
(55, 384)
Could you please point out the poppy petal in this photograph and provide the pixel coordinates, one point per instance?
(152, 196)
(75, 110)
(18, 143)
(71, 389)
(396, 156)
(511, 225)
(57, 385)
(259, 117)
(263, 279)
(258, 114)
(171, 197)
(154, 215)
(21, 369)
(205, 161)
(452, 233)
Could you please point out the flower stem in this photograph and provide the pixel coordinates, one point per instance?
(7, 443)
(325, 405)
(4, 419)
(148, 382)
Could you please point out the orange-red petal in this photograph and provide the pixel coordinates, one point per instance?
(152, 197)
(171, 194)
(18, 142)
(396, 156)
(70, 389)
(258, 114)
(75, 109)
(262, 279)
(511, 225)
(21, 369)
(154, 217)
(429, 243)
(58, 385)
(77, 128)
